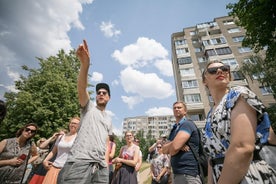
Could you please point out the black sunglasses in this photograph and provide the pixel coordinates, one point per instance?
(159, 147)
(30, 130)
(214, 70)
(101, 92)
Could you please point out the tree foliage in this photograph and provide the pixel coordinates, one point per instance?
(47, 96)
(258, 17)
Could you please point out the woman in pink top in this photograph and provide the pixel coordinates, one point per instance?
(61, 149)
(128, 158)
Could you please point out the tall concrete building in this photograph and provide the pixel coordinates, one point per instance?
(193, 47)
(153, 126)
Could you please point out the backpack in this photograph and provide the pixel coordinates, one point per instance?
(201, 156)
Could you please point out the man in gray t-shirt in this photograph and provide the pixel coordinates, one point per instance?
(88, 157)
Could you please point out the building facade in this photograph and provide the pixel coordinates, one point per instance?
(152, 126)
(193, 47)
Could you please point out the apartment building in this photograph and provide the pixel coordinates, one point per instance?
(152, 126)
(220, 39)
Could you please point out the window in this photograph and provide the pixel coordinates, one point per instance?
(230, 61)
(223, 51)
(266, 90)
(206, 42)
(210, 52)
(217, 41)
(198, 50)
(189, 84)
(228, 22)
(244, 49)
(192, 98)
(201, 59)
(180, 42)
(196, 117)
(192, 33)
(195, 41)
(250, 60)
(258, 76)
(186, 60)
(187, 72)
(234, 30)
(182, 51)
(238, 39)
(237, 75)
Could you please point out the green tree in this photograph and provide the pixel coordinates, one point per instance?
(47, 96)
(259, 19)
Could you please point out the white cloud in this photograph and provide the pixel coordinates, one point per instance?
(132, 100)
(165, 67)
(109, 29)
(97, 77)
(32, 29)
(159, 111)
(115, 82)
(13, 75)
(146, 85)
(139, 54)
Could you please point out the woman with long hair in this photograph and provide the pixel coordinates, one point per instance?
(15, 153)
(231, 129)
(128, 159)
(61, 150)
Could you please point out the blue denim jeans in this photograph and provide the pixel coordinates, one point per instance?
(83, 173)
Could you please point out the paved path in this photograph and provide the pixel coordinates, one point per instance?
(143, 176)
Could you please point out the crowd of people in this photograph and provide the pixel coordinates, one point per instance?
(85, 153)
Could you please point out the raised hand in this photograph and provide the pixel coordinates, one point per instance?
(83, 53)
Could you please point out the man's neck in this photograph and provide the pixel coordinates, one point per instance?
(178, 119)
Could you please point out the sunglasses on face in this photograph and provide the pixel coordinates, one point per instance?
(158, 147)
(101, 92)
(30, 130)
(214, 70)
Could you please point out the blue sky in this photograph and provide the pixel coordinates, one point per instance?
(129, 41)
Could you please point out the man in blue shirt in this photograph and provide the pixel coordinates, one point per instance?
(184, 164)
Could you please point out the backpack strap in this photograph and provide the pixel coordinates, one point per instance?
(196, 154)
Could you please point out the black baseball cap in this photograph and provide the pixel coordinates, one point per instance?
(103, 86)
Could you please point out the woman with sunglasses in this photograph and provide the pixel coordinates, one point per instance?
(15, 153)
(230, 130)
(159, 167)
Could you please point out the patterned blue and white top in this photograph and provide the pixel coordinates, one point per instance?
(216, 134)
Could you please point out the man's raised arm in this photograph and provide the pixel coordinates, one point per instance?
(84, 57)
